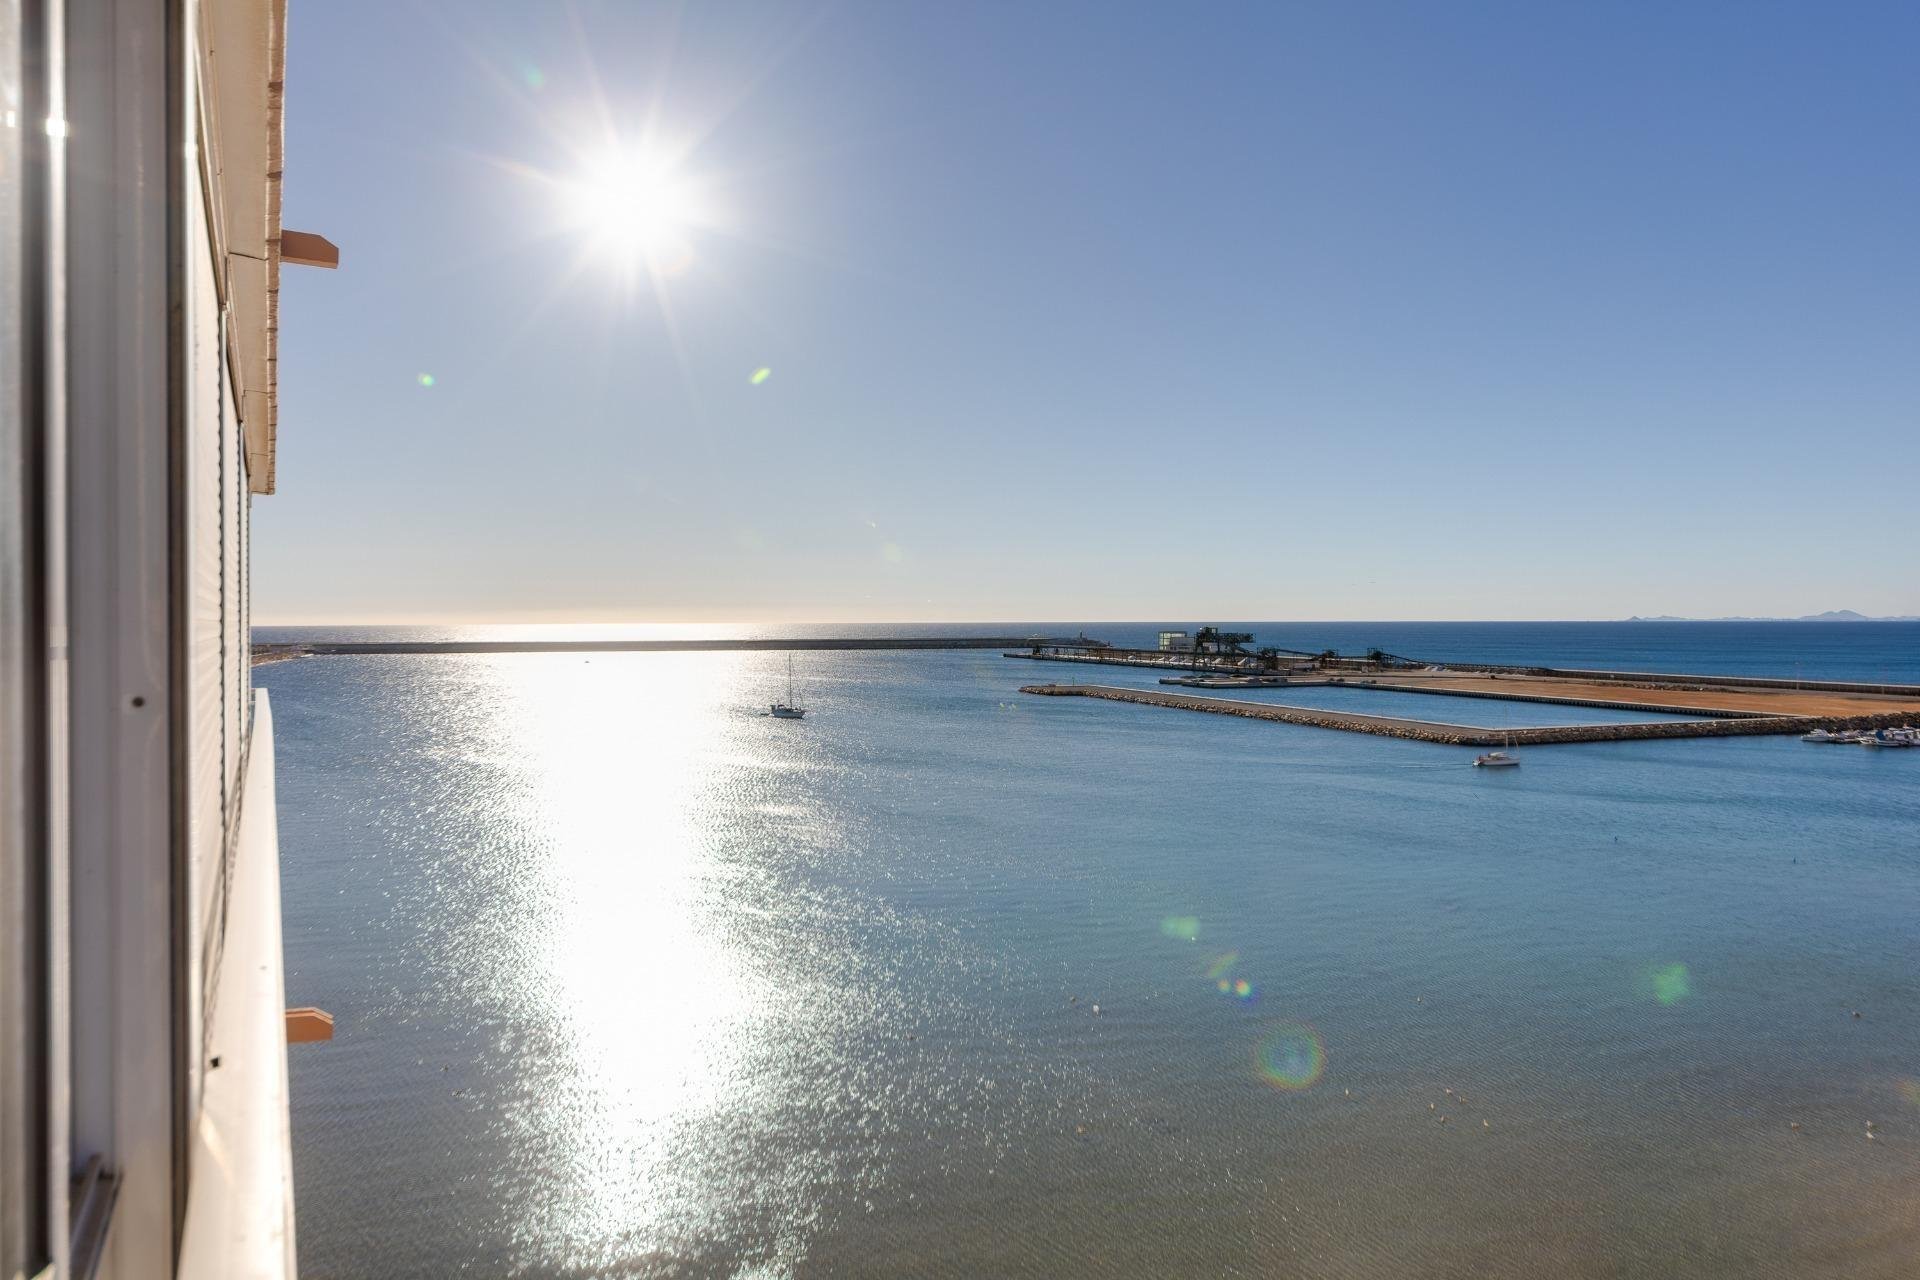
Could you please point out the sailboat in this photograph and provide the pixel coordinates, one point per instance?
(791, 708)
(1498, 759)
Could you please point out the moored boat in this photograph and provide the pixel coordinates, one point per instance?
(791, 708)
(1890, 738)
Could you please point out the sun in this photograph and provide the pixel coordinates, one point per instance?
(634, 207)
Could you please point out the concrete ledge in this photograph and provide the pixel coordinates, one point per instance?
(239, 1221)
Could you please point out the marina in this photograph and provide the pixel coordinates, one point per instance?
(1903, 736)
(1684, 705)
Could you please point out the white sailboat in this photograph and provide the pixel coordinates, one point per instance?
(791, 708)
(1498, 759)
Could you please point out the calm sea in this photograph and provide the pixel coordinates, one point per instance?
(632, 980)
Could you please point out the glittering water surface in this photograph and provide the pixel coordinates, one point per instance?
(631, 980)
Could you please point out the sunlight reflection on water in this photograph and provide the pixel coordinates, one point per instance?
(633, 979)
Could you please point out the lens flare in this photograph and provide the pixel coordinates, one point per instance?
(1185, 928)
(1909, 1090)
(1670, 983)
(1223, 965)
(1243, 989)
(760, 375)
(1291, 1056)
(425, 380)
(637, 207)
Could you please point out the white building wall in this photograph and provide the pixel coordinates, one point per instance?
(218, 660)
(205, 677)
(136, 468)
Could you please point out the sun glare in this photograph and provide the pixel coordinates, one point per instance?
(635, 207)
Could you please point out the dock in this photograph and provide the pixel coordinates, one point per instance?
(1236, 682)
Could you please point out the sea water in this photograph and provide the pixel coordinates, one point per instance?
(631, 979)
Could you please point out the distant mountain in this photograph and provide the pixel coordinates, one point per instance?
(1831, 615)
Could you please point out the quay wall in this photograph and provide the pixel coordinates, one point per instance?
(1248, 665)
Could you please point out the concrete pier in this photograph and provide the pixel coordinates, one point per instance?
(1730, 724)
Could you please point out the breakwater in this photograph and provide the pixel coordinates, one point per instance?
(1473, 735)
(796, 644)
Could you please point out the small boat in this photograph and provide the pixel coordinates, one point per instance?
(791, 708)
(1822, 735)
(1496, 760)
(1887, 738)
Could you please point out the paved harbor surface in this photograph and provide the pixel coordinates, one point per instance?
(1684, 694)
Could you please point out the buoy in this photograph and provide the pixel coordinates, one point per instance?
(1096, 1008)
(1449, 1093)
(1430, 1107)
(1856, 1013)
(1795, 1126)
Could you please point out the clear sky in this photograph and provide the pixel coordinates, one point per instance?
(1102, 311)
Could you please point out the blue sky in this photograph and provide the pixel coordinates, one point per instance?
(1104, 311)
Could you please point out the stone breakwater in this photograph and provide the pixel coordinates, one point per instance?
(1472, 735)
(275, 652)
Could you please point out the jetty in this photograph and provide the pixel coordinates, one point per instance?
(1723, 724)
(276, 652)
